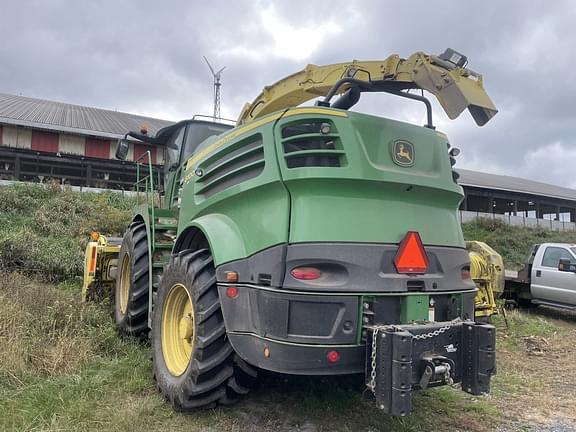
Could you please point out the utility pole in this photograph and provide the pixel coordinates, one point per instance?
(217, 85)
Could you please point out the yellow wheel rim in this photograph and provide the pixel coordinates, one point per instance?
(125, 279)
(177, 330)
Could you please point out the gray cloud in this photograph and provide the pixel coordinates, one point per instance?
(146, 57)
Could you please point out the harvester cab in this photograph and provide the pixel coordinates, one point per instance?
(309, 240)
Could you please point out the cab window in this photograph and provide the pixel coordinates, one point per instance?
(198, 132)
(173, 147)
(553, 255)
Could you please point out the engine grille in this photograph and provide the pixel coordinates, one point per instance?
(241, 162)
(306, 145)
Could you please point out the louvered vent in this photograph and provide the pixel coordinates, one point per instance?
(312, 144)
(242, 161)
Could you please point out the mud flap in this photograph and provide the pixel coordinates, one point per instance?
(407, 358)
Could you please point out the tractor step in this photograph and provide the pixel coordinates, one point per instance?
(166, 227)
(159, 265)
(166, 246)
(165, 213)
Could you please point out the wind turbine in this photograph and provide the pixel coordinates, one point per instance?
(217, 85)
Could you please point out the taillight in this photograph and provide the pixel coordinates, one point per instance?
(306, 273)
(465, 274)
(411, 256)
(333, 356)
(232, 292)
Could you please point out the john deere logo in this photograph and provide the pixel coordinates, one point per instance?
(403, 153)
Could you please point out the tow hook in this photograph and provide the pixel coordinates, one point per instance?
(437, 370)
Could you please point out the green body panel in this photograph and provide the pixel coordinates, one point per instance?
(369, 198)
(414, 308)
(245, 218)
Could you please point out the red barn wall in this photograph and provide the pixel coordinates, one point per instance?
(45, 141)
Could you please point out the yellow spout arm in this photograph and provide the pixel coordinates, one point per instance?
(455, 87)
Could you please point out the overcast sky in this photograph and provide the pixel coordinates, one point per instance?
(145, 57)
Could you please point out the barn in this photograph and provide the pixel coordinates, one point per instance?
(43, 140)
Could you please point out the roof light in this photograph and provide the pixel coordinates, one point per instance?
(306, 273)
(411, 256)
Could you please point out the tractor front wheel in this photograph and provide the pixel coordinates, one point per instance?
(131, 293)
(194, 363)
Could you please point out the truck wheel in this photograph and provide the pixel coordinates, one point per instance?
(131, 293)
(194, 363)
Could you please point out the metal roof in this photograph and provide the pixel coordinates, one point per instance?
(514, 184)
(63, 117)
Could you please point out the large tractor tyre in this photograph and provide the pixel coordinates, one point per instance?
(131, 294)
(194, 363)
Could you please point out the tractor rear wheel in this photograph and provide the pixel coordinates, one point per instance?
(131, 293)
(194, 363)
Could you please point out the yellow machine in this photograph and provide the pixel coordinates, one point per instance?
(487, 272)
(100, 266)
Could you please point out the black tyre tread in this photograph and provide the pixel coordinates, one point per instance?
(215, 376)
(205, 341)
(245, 367)
(135, 321)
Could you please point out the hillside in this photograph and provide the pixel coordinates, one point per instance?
(63, 366)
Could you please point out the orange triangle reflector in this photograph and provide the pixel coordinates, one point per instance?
(411, 256)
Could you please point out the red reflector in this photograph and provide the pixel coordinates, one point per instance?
(333, 356)
(306, 273)
(465, 273)
(411, 256)
(232, 292)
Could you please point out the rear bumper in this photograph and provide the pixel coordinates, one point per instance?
(298, 359)
(293, 332)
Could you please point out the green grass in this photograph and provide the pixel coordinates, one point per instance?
(63, 367)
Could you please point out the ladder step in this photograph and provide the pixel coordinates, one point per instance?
(167, 246)
(165, 226)
(165, 213)
(159, 264)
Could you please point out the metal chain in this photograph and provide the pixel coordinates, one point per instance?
(376, 329)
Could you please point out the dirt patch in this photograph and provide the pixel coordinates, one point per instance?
(536, 375)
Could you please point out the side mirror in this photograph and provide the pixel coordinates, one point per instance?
(122, 149)
(566, 266)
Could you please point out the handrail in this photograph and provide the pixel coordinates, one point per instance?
(148, 191)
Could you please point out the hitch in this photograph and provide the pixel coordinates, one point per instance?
(410, 357)
(438, 371)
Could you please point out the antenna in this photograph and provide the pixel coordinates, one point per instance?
(217, 85)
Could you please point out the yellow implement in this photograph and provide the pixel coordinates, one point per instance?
(100, 262)
(445, 76)
(487, 272)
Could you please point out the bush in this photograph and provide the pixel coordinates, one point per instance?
(43, 229)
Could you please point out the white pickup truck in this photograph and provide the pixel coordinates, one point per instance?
(548, 277)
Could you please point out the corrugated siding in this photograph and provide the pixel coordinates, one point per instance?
(71, 144)
(140, 149)
(45, 141)
(16, 137)
(97, 148)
